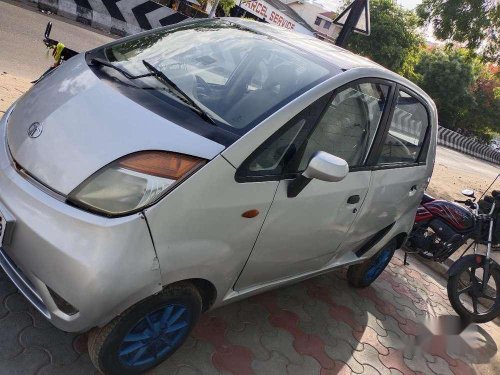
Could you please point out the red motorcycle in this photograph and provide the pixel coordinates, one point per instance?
(441, 228)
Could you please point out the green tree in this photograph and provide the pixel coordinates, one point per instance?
(226, 5)
(448, 75)
(476, 23)
(482, 118)
(394, 38)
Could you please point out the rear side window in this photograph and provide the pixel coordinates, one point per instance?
(405, 139)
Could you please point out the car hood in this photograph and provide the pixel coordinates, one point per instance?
(86, 124)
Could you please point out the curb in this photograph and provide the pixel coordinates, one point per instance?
(466, 145)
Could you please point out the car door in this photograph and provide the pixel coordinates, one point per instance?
(400, 170)
(302, 233)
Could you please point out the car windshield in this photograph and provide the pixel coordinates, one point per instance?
(236, 75)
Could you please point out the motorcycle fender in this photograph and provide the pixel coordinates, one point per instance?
(471, 259)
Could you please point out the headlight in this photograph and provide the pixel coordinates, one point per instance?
(131, 183)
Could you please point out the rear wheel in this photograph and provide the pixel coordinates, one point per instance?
(363, 274)
(467, 297)
(147, 333)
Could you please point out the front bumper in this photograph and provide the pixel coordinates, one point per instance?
(99, 266)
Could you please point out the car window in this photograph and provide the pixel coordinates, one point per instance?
(349, 125)
(237, 75)
(272, 157)
(407, 131)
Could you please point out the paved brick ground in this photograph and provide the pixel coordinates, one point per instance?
(320, 326)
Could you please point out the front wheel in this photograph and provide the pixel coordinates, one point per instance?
(363, 274)
(467, 297)
(147, 333)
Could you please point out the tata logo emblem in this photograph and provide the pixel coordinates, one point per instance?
(35, 130)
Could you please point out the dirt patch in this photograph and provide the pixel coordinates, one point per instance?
(11, 88)
(454, 172)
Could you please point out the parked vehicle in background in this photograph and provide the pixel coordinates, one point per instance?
(177, 170)
(441, 228)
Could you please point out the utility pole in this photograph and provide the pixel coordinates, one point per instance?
(214, 8)
(351, 21)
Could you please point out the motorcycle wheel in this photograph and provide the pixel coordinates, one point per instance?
(466, 295)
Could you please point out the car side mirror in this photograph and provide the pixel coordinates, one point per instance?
(322, 166)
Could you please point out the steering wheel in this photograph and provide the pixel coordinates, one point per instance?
(202, 89)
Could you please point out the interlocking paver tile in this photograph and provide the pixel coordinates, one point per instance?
(370, 356)
(389, 324)
(365, 304)
(256, 314)
(417, 362)
(369, 336)
(194, 353)
(82, 366)
(318, 327)
(308, 366)
(396, 361)
(282, 342)
(27, 362)
(371, 321)
(11, 326)
(344, 332)
(186, 370)
(39, 321)
(249, 337)
(227, 357)
(343, 352)
(370, 370)
(6, 289)
(440, 367)
(16, 302)
(276, 364)
(407, 312)
(60, 343)
(230, 315)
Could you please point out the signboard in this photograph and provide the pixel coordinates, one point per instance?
(362, 25)
(270, 14)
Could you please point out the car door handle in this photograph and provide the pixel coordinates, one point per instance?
(353, 199)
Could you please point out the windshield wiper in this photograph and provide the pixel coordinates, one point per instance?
(155, 72)
(126, 74)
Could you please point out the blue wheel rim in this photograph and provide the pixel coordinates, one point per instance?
(378, 265)
(155, 335)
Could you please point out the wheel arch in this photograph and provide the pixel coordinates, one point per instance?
(400, 239)
(207, 290)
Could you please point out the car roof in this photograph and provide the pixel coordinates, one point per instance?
(335, 55)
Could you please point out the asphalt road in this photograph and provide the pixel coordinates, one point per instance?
(465, 164)
(22, 52)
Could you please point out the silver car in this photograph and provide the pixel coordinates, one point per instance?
(187, 167)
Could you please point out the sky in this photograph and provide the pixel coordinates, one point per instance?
(335, 4)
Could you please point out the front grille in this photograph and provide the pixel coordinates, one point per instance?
(22, 283)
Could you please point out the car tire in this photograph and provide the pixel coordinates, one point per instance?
(147, 333)
(363, 274)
